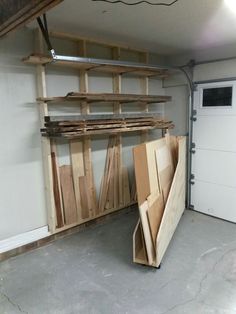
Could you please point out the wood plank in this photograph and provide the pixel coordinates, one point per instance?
(84, 196)
(56, 190)
(68, 194)
(116, 116)
(175, 204)
(126, 186)
(98, 98)
(77, 162)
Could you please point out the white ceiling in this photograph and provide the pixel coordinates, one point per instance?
(187, 26)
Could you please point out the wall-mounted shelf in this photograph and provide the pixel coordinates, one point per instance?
(107, 97)
(87, 65)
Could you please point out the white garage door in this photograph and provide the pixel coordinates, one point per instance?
(214, 161)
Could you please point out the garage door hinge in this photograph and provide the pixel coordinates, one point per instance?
(193, 116)
(193, 148)
(192, 177)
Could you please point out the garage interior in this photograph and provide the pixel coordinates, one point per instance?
(117, 189)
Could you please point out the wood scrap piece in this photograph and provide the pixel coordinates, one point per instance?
(172, 142)
(155, 212)
(151, 254)
(126, 188)
(56, 192)
(84, 196)
(165, 167)
(68, 194)
(139, 250)
(107, 175)
(77, 162)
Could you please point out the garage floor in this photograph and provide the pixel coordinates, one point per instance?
(92, 272)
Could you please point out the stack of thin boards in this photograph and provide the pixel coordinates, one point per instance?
(81, 125)
(75, 201)
(160, 172)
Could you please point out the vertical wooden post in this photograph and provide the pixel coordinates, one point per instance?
(88, 169)
(118, 182)
(45, 142)
(144, 84)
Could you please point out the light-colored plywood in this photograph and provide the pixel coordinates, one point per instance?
(139, 250)
(165, 168)
(151, 256)
(68, 194)
(158, 221)
(155, 212)
(175, 204)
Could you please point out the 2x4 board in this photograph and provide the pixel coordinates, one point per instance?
(160, 171)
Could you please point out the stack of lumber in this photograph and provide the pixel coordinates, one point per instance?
(115, 191)
(81, 125)
(160, 172)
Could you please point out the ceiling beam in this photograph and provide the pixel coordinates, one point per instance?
(17, 13)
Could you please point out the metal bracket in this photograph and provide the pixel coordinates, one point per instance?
(193, 148)
(193, 116)
(192, 177)
(44, 29)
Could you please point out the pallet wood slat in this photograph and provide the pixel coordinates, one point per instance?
(106, 97)
(89, 66)
(159, 217)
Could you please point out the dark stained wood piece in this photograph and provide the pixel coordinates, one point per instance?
(17, 13)
(56, 191)
(106, 97)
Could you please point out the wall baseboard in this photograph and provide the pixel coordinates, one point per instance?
(23, 239)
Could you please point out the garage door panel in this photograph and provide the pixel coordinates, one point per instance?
(214, 161)
(215, 132)
(215, 166)
(214, 199)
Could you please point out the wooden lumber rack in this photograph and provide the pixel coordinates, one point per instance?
(82, 125)
(106, 97)
(85, 64)
(71, 196)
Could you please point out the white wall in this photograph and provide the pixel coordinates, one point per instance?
(22, 204)
(22, 200)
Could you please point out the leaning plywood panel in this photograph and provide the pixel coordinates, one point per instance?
(175, 204)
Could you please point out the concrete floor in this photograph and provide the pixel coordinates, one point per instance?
(92, 272)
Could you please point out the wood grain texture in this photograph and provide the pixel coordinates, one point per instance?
(68, 194)
(175, 205)
(77, 162)
(17, 13)
(56, 191)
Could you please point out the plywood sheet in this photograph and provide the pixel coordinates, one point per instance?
(175, 204)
